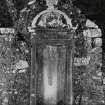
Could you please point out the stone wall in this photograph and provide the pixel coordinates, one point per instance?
(15, 61)
(88, 75)
(6, 76)
(14, 69)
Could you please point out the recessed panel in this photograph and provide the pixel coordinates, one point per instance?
(51, 75)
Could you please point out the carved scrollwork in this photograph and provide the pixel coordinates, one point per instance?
(52, 19)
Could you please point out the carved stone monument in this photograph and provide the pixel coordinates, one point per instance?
(52, 57)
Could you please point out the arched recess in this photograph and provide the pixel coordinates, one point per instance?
(53, 31)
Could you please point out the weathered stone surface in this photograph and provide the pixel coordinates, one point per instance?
(92, 33)
(87, 74)
(81, 61)
(5, 64)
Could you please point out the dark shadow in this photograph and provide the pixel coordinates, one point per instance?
(61, 103)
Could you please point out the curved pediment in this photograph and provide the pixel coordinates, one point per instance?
(51, 18)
